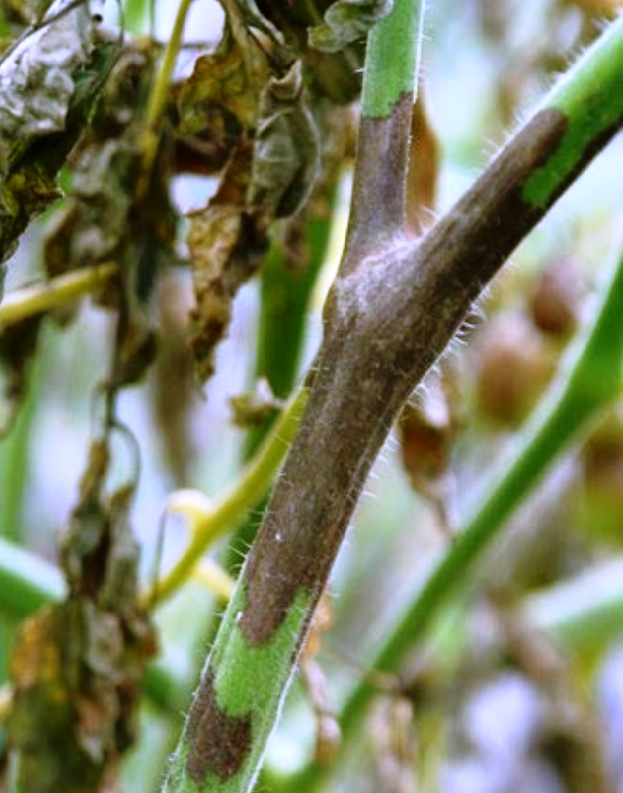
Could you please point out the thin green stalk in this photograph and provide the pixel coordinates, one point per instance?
(583, 612)
(158, 96)
(30, 300)
(589, 378)
(247, 492)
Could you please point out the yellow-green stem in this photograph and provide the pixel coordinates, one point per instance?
(30, 300)
(253, 485)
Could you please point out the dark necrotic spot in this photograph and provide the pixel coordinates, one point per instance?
(219, 743)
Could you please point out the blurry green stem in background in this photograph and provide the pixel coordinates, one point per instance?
(589, 379)
(159, 95)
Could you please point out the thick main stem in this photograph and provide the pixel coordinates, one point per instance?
(385, 324)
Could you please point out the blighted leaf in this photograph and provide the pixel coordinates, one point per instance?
(286, 161)
(227, 243)
(77, 666)
(346, 21)
(37, 83)
(18, 344)
(48, 87)
(223, 88)
(107, 218)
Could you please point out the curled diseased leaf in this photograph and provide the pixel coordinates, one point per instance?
(220, 84)
(37, 83)
(227, 243)
(48, 87)
(346, 21)
(107, 218)
(77, 665)
(286, 161)
(18, 344)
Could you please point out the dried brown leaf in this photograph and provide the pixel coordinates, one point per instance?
(423, 169)
(106, 218)
(227, 243)
(427, 433)
(77, 666)
(18, 344)
(220, 89)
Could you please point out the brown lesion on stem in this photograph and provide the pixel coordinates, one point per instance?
(378, 205)
(384, 327)
(221, 748)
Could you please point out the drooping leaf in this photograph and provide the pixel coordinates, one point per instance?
(222, 89)
(77, 666)
(17, 346)
(109, 218)
(227, 242)
(286, 155)
(36, 82)
(49, 84)
(428, 432)
(347, 21)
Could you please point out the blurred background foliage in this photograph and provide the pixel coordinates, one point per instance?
(520, 687)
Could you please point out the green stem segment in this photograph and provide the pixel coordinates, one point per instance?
(388, 79)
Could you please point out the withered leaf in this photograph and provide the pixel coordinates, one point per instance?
(227, 243)
(346, 21)
(77, 666)
(48, 86)
(427, 434)
(107, 218)
(18, 344)
(286, 161)
(36, 82)
(423, 168)
(222, 88)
